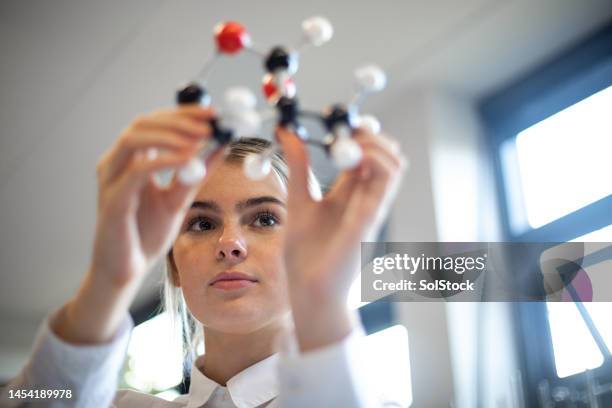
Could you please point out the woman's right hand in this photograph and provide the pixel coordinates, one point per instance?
(137, 220)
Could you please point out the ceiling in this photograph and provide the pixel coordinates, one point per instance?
(75, 72)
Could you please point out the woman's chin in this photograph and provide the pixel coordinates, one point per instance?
(239, 317)
(234, 317)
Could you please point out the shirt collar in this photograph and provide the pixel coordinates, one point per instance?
(249, 388)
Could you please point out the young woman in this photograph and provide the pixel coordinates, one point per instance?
(261, 268)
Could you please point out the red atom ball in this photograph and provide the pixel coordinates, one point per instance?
(269, 87)
(231, 37)
(271, 91)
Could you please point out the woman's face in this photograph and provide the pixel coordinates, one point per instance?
(235, 225)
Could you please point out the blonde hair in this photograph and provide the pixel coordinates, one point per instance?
(173, 300)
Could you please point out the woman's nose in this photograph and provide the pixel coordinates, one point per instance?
(231, 246)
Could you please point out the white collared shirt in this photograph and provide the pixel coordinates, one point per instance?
(326, 377)
(255, 386)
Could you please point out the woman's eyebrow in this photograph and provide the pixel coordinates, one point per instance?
(206, 205)
(252, 202)
(240, 206)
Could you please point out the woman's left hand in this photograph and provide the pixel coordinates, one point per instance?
(323, 238)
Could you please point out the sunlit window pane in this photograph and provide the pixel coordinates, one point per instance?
(564, 161)
(389, 362)
(600, 311)
(574, 348)
(148, 369)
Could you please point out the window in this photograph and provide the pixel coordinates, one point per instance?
(551, 142)
(573, 345)
(388, 361)
(564, 160)
(148, 370)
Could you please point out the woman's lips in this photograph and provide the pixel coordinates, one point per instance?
(233, 284)
(231, 280)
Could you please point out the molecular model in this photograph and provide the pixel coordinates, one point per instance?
(239, 117)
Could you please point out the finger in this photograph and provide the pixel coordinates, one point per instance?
(180, 196)
(196, 111)
(186, 125)
(138, 173)
(343, 185)
(367, 198)
(296, 154)
(134, 141)
(347, 179)
(379, 167)
(364, 170)
(389, 145)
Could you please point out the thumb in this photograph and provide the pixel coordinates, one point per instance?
(296, 154)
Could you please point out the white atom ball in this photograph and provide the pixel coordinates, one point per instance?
(246, 123)
(371, 78)
(192, 172)
(318, 30)
(239, 99)
(256, 167)
(346, 153)
(369, 123)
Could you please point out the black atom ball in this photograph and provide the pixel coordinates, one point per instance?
(339, 115)
(280, 59)
(192, 93)
(288, 110)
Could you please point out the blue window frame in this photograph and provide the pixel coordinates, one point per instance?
(580, 72)
(559, 84)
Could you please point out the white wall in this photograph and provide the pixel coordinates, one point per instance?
(15, 342)
(484, 357)
(405, 116)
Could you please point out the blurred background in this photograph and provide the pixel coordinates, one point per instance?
(504, 109)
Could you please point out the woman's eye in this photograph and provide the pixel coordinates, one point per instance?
(265, 220)
(200, 224)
